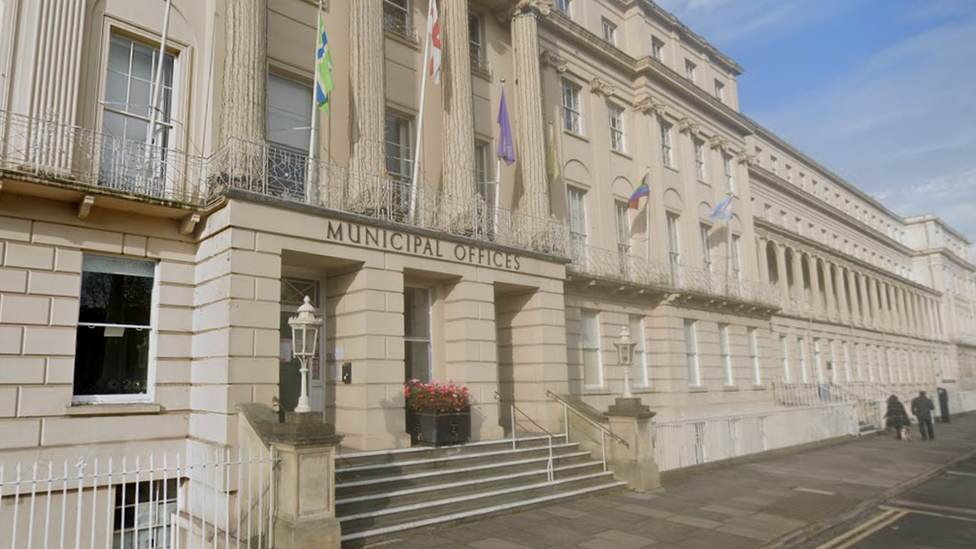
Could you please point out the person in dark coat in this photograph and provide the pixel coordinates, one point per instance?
(922, 409)
(943, 403)
(895, 416)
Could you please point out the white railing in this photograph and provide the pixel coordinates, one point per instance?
(161, 501)
(613, 265)
(687, 442)
(267, 170)
(961, 402)
(72, 154)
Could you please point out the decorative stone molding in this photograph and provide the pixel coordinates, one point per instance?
(602, 87)
(689, 126)
(718, 142)
(745, 158)
(550, 59)
(650, 104)
(534, 8)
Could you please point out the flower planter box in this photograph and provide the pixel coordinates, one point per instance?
(439, 429)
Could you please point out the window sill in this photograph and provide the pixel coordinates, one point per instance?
(579, 136)
(730, 387)
(112, 409)
(622, 153)
(672, 168)
(405, 40)
(758, 387)
(697, 389)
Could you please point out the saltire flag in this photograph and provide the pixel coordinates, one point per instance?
(641, 191)
(723, 210)
(323, 68)
(434, 31)
(506, 145)
(552, 160)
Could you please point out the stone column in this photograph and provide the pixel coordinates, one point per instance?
(529, 123)
(764, 261)
(815, 286)
(829, 288)
(798, 280)
(784, 287)
(875, 305)
(856, 313)
(367, 87)
(244, 88)
(886, 306)
(635, 465)
(866, 312)
(458, 130)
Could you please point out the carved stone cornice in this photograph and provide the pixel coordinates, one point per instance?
(534, 8)
(689, 126)
(550, 59)
(745, 158)
(718, 142)
(650, 104)
(602, 87)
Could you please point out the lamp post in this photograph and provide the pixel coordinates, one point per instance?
(304, 343)
(625, 356)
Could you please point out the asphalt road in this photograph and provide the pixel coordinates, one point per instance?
(939, 514)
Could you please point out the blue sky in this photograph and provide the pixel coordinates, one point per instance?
(883, 92)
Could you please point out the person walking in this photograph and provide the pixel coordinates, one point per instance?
(895, 416)
(943, 403)
(922, 409)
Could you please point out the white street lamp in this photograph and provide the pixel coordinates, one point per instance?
(625, 356)
(304, 343)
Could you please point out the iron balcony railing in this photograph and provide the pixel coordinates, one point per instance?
(53, 150)
(617, 266)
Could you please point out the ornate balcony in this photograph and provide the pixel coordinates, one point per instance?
(611, 265)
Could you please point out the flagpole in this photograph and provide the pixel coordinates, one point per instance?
(647, 207)
(420, 117)
(728, 249)
(498, 180)
(313, 140)
(157, 90)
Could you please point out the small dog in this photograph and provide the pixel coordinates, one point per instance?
(906, 433)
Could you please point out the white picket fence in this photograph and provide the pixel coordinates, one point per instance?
(168, 501)
(686, 442)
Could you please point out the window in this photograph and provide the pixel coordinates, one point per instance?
(399, 149)
(565, 6)
(396, 17)
(142, 514)
(729, 173)
(802, 344)
(666, 153)
(572, 114)
(720, 91)
(723, 340)
(759, 156)
(575, 198)
(638, 368)
(115, 336)
(817, 361)
(789, 173)
(784, 348)
(479, 61)
(610, 32)
(799, 225)
(691, 353)
(768, 212)
(129, 86)
(754, 356)
(288, 123)
(482, 173)
(847, 360)
(803, 181)
(690, 70)
(592, 363)
(773, 164)
(417, 333)
(674, 239)
(623, 239)
(706, 246)
(736, 266)
(700, 159)
(615, 118)
(657, 49)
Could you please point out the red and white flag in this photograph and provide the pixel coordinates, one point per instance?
(434, 31)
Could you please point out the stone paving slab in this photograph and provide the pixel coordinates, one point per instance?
(743, 506)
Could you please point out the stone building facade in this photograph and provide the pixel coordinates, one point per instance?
(147, 277)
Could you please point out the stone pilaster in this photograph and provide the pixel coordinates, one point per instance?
(529, 123)
(815, 287)
(799, 295)
(875, 302)
(829, 288)
(866, 313)
(367, 84)
(856, 313)
(458, 158)
(244, 86)
(784, 287)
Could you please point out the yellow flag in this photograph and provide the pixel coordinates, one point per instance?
(552, 161)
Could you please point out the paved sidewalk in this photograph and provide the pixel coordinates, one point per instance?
(752, 505)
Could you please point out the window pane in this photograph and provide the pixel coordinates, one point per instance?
(106, 365)
(289, 117)
(416, 306)
(115, 299)
(417, 358)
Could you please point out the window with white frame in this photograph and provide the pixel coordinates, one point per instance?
(623, 238)
(818, 360)
(142, 514)
(657, 49)
(729, 167)
(700, 159)
(706, 244)
(845, 347)
(720, 91)
(610, 32)
(691, 70)
(691, 353)
(127, 106)
(115, 340)
(572, 111)
(736, 265)
(615, 119)
(399, 149)
(396, 17)
(576, 199)
(784, 349)
(773, 164)
(666, 152)
(592, 361)
(482, 172)
(288, 123)
(723, 341)
(565, 6)
(759, 152)
(417, 333)
(789, 173)
(476, 39)
(802, 344)
(754, 356)
(674, 239)
(638, 366)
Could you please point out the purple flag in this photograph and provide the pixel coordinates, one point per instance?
(506, 146)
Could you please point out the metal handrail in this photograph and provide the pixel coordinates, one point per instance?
(570, 407)
(549, 436)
